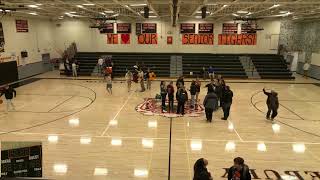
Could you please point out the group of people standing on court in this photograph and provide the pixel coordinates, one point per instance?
(140, 75)
(218, 95)
(181, 95)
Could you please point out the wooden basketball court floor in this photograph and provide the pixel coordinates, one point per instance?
(88, 134)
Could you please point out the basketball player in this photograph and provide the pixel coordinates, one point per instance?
(9, 93)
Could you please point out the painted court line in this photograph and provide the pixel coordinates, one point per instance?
(61, 103)
(234, 129)
(124, 104)
(187, 151)
(158, 138)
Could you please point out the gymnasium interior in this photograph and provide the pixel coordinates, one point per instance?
(61, 125)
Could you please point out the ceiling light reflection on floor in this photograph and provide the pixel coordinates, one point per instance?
(196, 145)
(152, 124)
(261, 147)
(60, 168)
(116, 142)
(53, 138)
(298, 147)
(230, 146)
(276, 128)
(147, 143)
(230, 126)
(113, 122)
(74, 122)
(141, 173)
(85, 140)
(100, 171)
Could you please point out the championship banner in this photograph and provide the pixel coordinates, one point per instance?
(112, 38)
(248, 28)
(108, 28)
(205, 28)
(237, 39)
(149, 28)
(229, 28)
(124, 28)
(148, 39)
(187, 28)
(125, 38)
(22, 26)
(203, 39)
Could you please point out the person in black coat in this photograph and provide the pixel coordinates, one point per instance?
(9, 93)
(193, 91)
(200, 170)
(180, 82)
(272, 103)
(210, 103)
(211, 87)
(163, 93)
(182, 98)
(218, 91)
(239, 171)
(226, 101)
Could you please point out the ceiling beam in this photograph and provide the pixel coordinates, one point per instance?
(222, 8)
(175, 12)
(215, 12)
(127, 7)
(97, 4)
(151, 7)
(199, 7)
(85, 9)
(243, 9)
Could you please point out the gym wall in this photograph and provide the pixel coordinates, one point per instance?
(39, 40)
(303, 37)
(90, 40)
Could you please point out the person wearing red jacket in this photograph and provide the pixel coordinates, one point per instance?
(170, 91)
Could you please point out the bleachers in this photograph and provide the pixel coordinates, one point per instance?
(271, 66)
(227, 65)
(159, 63)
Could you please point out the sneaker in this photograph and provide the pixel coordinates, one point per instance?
(223, 119)
(164, 111)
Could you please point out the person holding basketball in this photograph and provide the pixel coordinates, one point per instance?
(9, 93)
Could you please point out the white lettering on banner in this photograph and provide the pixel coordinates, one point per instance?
(5, 161)
(20, 171)
(34, 157)
(37, 169)
(20, 160)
